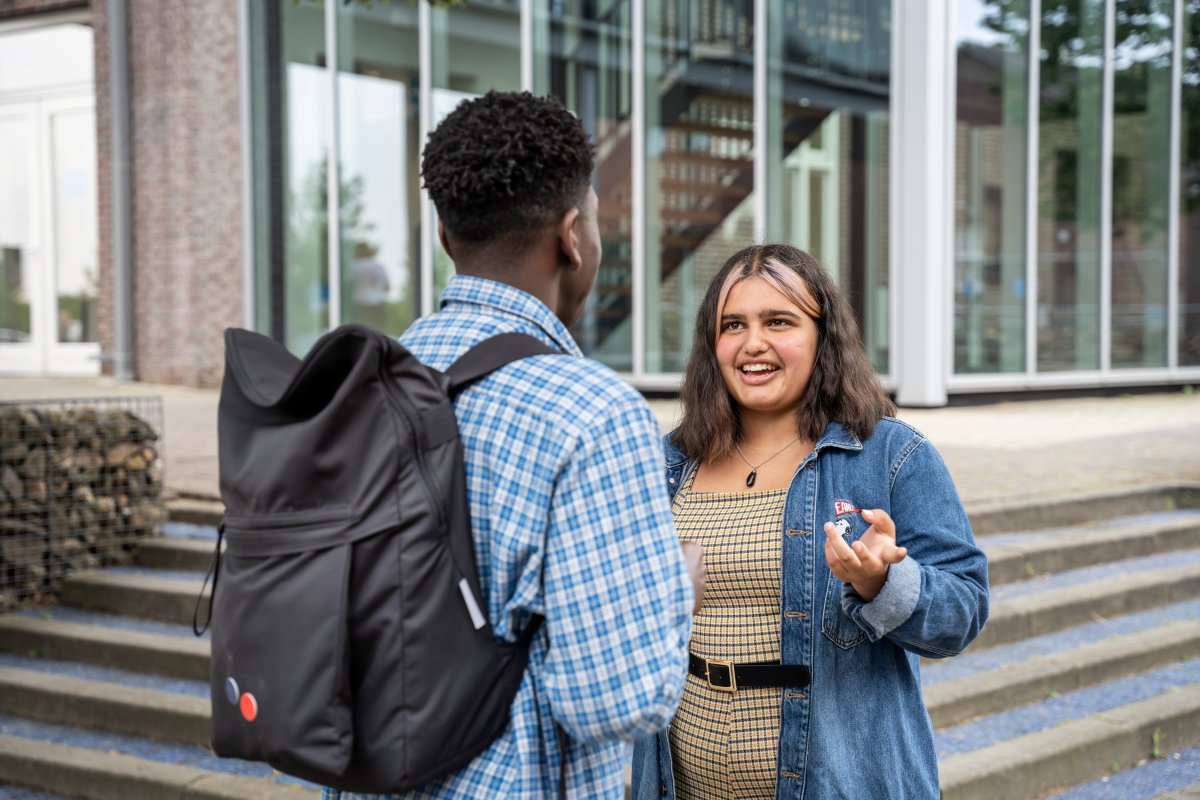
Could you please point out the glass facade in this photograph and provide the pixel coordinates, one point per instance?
(476, 47)
(699, 129)
(378, 150)
(1075, 221)
(291, 136)
(991, 135)
(583, 55)
(1189, 189)
(1141, 168)
(828, 100)
(1070, 120)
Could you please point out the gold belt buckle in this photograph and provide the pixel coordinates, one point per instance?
(709, 663)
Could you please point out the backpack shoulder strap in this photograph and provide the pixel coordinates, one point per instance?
(491, 354)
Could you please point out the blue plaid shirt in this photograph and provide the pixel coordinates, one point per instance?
(565, 482)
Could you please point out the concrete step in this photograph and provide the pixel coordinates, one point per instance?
(954, 701)
(1075, 599)
(175, 554)
(1172, 776)
(1104, 609)
(110, 767)
(138, 593)
(1077, 751)
(1020, 556)
(104, 705)
(106, 643)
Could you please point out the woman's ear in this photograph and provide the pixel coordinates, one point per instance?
(568, 240)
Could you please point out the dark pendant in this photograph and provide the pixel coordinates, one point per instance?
(750, 478)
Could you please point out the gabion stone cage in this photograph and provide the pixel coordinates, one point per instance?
(80, 486)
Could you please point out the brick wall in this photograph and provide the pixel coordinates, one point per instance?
(186, 155)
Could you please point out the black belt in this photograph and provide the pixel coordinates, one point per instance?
(725, 676)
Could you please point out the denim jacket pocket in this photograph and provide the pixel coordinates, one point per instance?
(836, 623)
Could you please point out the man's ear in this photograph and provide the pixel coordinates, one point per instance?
(443, 240)
(568, 240)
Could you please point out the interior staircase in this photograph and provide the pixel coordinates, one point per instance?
(702, 143)
(1085, 682)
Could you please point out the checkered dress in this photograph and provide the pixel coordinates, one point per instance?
(722, 744)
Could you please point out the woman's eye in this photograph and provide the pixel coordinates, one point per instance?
(731, 325)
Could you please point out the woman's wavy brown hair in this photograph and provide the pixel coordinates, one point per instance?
(843, 387)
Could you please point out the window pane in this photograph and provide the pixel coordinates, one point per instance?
(476, 48)
(828, 97)
(15, 189)
(1068, 235)
(582, 56)
(1189, 202)
(991, 130)
(43, 58)
(75, 246)
(1141, 177)
(699, 162)
(378, 141)
(291, 124)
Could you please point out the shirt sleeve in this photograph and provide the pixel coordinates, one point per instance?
(617, 593)
(935, 601)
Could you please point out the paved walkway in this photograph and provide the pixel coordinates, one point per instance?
(1001, 452)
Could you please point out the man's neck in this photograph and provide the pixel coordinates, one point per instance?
(524, 271)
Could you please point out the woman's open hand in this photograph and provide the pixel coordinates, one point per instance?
(864, 564)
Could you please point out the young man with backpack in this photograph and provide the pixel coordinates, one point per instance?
(563, 462)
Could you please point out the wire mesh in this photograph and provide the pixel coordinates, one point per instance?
(80, 487)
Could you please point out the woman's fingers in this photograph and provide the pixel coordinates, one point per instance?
(880, 521)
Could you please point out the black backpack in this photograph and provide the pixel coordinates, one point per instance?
(350, 645)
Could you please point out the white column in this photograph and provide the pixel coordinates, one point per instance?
(921, 212)
(1173, 185)
(249, 306)
(424, 119)
(637, 278)
(334, 171)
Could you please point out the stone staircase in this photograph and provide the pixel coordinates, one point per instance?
(1084, 684)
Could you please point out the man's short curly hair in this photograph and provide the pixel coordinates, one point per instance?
(503, 166)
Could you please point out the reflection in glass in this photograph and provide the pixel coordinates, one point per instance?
(476, 48)
(1189, 189)
(582, 56)
(699, 161)
(75, 245)
(1068, 235)
(378, 141)
(991, 129)
(828, 97)
(15, 289)
(290, 124)
(1141, 177)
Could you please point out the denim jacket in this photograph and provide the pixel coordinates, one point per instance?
(860, 729)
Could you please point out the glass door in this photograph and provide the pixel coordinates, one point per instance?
(49, 267)
(19, 269)
(72, 270)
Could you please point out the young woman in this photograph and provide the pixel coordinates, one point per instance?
(837, 553)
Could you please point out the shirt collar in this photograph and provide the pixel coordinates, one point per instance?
(508, 300)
